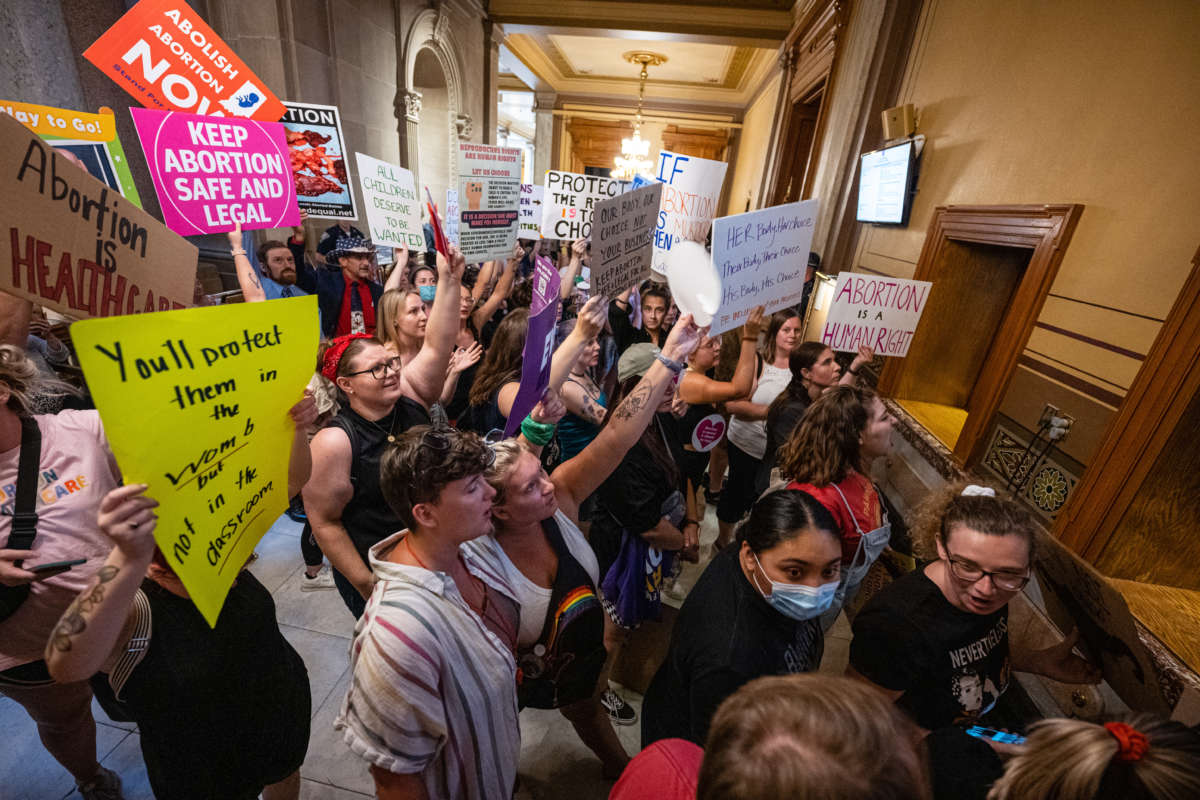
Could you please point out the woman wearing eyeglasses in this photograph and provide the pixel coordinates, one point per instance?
(936, 640)
(379, 400)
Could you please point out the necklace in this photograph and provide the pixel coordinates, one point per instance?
(389, 432)
(496, 623)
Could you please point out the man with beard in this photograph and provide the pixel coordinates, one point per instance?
(278, 266)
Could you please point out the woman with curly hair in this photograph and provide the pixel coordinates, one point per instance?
(829, 455)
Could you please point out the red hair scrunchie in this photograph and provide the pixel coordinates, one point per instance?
(333, 354)
(1132, 743)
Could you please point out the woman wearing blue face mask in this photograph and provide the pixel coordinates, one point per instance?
(755, 611)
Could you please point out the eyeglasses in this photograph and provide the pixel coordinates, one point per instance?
(380, 371)
(971, 573)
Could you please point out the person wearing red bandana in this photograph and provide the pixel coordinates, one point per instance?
(379, 401)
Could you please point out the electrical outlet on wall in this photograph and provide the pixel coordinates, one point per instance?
(1048, 412)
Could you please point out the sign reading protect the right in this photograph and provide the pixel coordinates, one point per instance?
(874, 311)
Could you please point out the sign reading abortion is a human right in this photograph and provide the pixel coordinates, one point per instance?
(874, 311)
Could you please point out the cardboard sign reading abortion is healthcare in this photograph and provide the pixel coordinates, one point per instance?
(393, 210)
(74, 245)
(621, 243)
(217, 384)
(213, 173)
(530, 226)
(689, 202)
(539, 344)
(489, 199)
(569, 201)
(874, 311)
(167, 57)
(760, 258)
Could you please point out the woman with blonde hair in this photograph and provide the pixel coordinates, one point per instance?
(1142, 757)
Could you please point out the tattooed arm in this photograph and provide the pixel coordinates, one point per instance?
(91, 627)
(577, 478)
(581, 404)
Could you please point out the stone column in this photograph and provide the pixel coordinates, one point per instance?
(408, 113)
(543, 133)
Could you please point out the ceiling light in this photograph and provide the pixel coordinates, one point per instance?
(635, 150)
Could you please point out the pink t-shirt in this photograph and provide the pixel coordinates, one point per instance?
(76, 470)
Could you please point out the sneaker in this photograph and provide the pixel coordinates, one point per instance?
(105, 786)
(322, 580)
(620, 712)
(295, 510)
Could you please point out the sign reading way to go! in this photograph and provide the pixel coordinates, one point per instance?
(195, 405)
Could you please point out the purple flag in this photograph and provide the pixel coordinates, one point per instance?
(539, 343)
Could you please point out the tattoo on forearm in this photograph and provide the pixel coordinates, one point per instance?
(73, 622)
(631, 405)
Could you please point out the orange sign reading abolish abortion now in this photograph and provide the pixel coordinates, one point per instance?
(167, 57)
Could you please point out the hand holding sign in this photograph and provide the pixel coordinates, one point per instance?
(127, 518)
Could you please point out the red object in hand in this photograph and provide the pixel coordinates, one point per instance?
(439, 238)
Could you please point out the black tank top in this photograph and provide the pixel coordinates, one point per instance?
(222, 711)
(367, 517)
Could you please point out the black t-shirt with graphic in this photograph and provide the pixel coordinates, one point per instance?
(726, 636)
(952, 665)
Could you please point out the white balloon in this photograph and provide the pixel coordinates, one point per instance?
(695, 284)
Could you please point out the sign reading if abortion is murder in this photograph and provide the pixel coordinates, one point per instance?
(874, 311)
(691, 192)
(212, 173)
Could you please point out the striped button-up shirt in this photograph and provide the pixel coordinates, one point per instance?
(433, 688)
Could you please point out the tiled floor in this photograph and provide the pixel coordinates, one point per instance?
(554, 764)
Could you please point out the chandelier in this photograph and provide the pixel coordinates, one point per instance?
(635, 151)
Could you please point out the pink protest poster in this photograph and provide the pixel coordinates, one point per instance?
(212, 172)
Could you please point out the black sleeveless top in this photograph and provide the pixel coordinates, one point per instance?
(368, 518)
(699, 430)
(222, 711)
(562, 667)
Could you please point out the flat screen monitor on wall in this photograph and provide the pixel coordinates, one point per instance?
(885, 182)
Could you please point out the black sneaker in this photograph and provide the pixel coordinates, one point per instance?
(295, 510)
(620, 712)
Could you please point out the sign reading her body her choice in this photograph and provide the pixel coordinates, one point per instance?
(760, 259)
(212, 173)
(76, 246)
(217, 383)
(539, 343)
(621, 243)
(318, 150)
(531, 211)
(570, 200)
(489, 200)
(92, 138)
(393, 209)
(874, 311)
(168, 58)
(691, 191)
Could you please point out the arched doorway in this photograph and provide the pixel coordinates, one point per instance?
(437, 141)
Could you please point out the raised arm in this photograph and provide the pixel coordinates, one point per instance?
(696, 388)
(399, 267)
(577, 478)
(865, 356)
(587, 327)
(500, 292)
(580, 404)
(578, 248)
(423, 378)
(303, 415)
(90, 628)
(247, 275)
(325, 496)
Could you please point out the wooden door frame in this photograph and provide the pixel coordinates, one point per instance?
(1044, 229)
(1138, 432)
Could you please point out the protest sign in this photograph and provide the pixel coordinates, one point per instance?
(318, 150)
(569, 201)
(874, 311)
(539, 344)
(531, 211)
(390, 197)
(91, 138)
(76, 246)
(489, 196)
(168, 58)
(621, 243)
(217, 384)
(452, 215)
(690, 195)
(212, 173)
(760, 258)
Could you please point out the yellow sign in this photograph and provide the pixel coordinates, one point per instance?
(63, 123)
(195, 404)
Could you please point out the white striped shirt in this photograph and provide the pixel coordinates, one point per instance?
(434, 690)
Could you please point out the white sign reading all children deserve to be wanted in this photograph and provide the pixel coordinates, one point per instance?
(875, 311)
(760, 258)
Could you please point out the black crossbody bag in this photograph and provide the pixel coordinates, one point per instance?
(24, 521)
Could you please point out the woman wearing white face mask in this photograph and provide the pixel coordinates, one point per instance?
(754, 612)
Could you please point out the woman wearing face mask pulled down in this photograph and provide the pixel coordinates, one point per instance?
(754, 612)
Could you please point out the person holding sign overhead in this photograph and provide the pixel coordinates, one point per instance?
(379, 401)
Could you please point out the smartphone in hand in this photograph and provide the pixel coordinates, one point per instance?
(50, 569)
(991, 734)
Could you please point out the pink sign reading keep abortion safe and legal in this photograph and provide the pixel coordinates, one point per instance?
(213, 172)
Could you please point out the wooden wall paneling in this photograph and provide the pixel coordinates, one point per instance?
(1153, 409)
(596, 142)
(1046, 229)
(698, 142)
